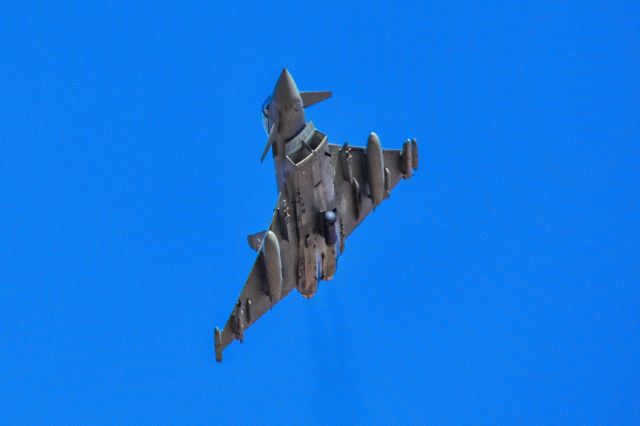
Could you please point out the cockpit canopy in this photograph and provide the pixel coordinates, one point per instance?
(267, 123)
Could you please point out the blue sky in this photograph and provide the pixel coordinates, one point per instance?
(500, 285)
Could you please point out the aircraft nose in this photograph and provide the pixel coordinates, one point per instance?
(286, 90)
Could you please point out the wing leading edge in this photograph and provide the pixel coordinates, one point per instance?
(255, 298)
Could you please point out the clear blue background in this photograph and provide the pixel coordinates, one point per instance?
(500, 285)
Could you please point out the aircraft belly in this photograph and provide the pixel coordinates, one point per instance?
(325, 191)
(310, 181)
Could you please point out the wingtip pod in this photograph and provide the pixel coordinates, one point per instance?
(414, 154)
(218, 344)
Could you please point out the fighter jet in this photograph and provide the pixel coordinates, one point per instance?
(324, 192)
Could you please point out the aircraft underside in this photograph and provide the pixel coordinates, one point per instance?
(325, 191)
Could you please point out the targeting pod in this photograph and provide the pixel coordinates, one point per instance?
(329, 227)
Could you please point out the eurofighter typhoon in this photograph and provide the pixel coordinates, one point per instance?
(325, 191)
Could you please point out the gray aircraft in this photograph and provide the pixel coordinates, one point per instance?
(325, 191)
